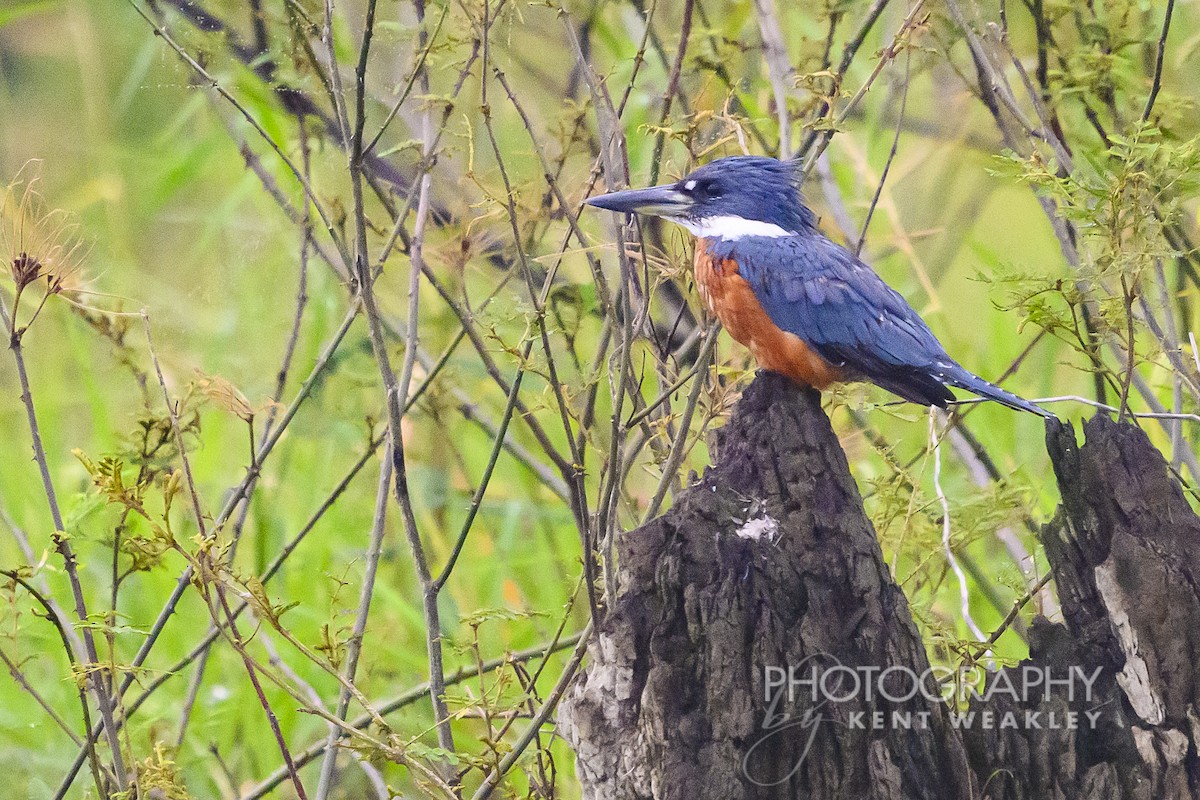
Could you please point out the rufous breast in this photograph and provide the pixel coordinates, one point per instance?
(729, 296)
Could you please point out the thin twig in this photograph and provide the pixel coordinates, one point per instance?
(88, 748)
(395, 389)
(197, 509)
(1156, 83)
(1074, 398)
(518, 748)
(849, 52)
(672, 87)
(1018, 604)
(574, 476)
(407, 698)
(887, 165)
(18, 676)
(779, 67)
(232, 500)
(254, 123)
(679, 446)
(91, 666)
(354, 645)
(888, 54)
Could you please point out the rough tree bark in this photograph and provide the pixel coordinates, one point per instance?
(1125, 550)
(770, 561)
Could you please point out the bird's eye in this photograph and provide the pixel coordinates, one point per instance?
(701, 190)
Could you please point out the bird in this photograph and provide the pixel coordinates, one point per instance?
(804, 306)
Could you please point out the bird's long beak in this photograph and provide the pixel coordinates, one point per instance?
(658, 201)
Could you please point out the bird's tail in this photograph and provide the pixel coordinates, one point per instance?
(957, 376)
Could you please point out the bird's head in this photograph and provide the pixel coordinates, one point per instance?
(727, 199)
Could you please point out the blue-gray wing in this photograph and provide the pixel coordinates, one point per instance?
(821, 292)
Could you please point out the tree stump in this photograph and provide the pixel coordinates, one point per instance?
(1125, 551)
(769, 562)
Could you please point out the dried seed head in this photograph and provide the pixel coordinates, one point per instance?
(25, 270)
(37, 241)
(225, 395)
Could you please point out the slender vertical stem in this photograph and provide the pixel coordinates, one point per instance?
(679, 446)
(539, 719)
(252, 671)
(60, 624)
(91, 665)
(1156, 83)
(208, 568)
(887, 165)
(394, 387)
(779, 67)
(354, 646)
(185, 578)
(685, 33)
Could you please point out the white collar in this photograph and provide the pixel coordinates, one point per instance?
(731, 227)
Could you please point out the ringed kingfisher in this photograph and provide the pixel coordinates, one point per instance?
(805, 306)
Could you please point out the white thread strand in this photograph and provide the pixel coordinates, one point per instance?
(964, 596)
